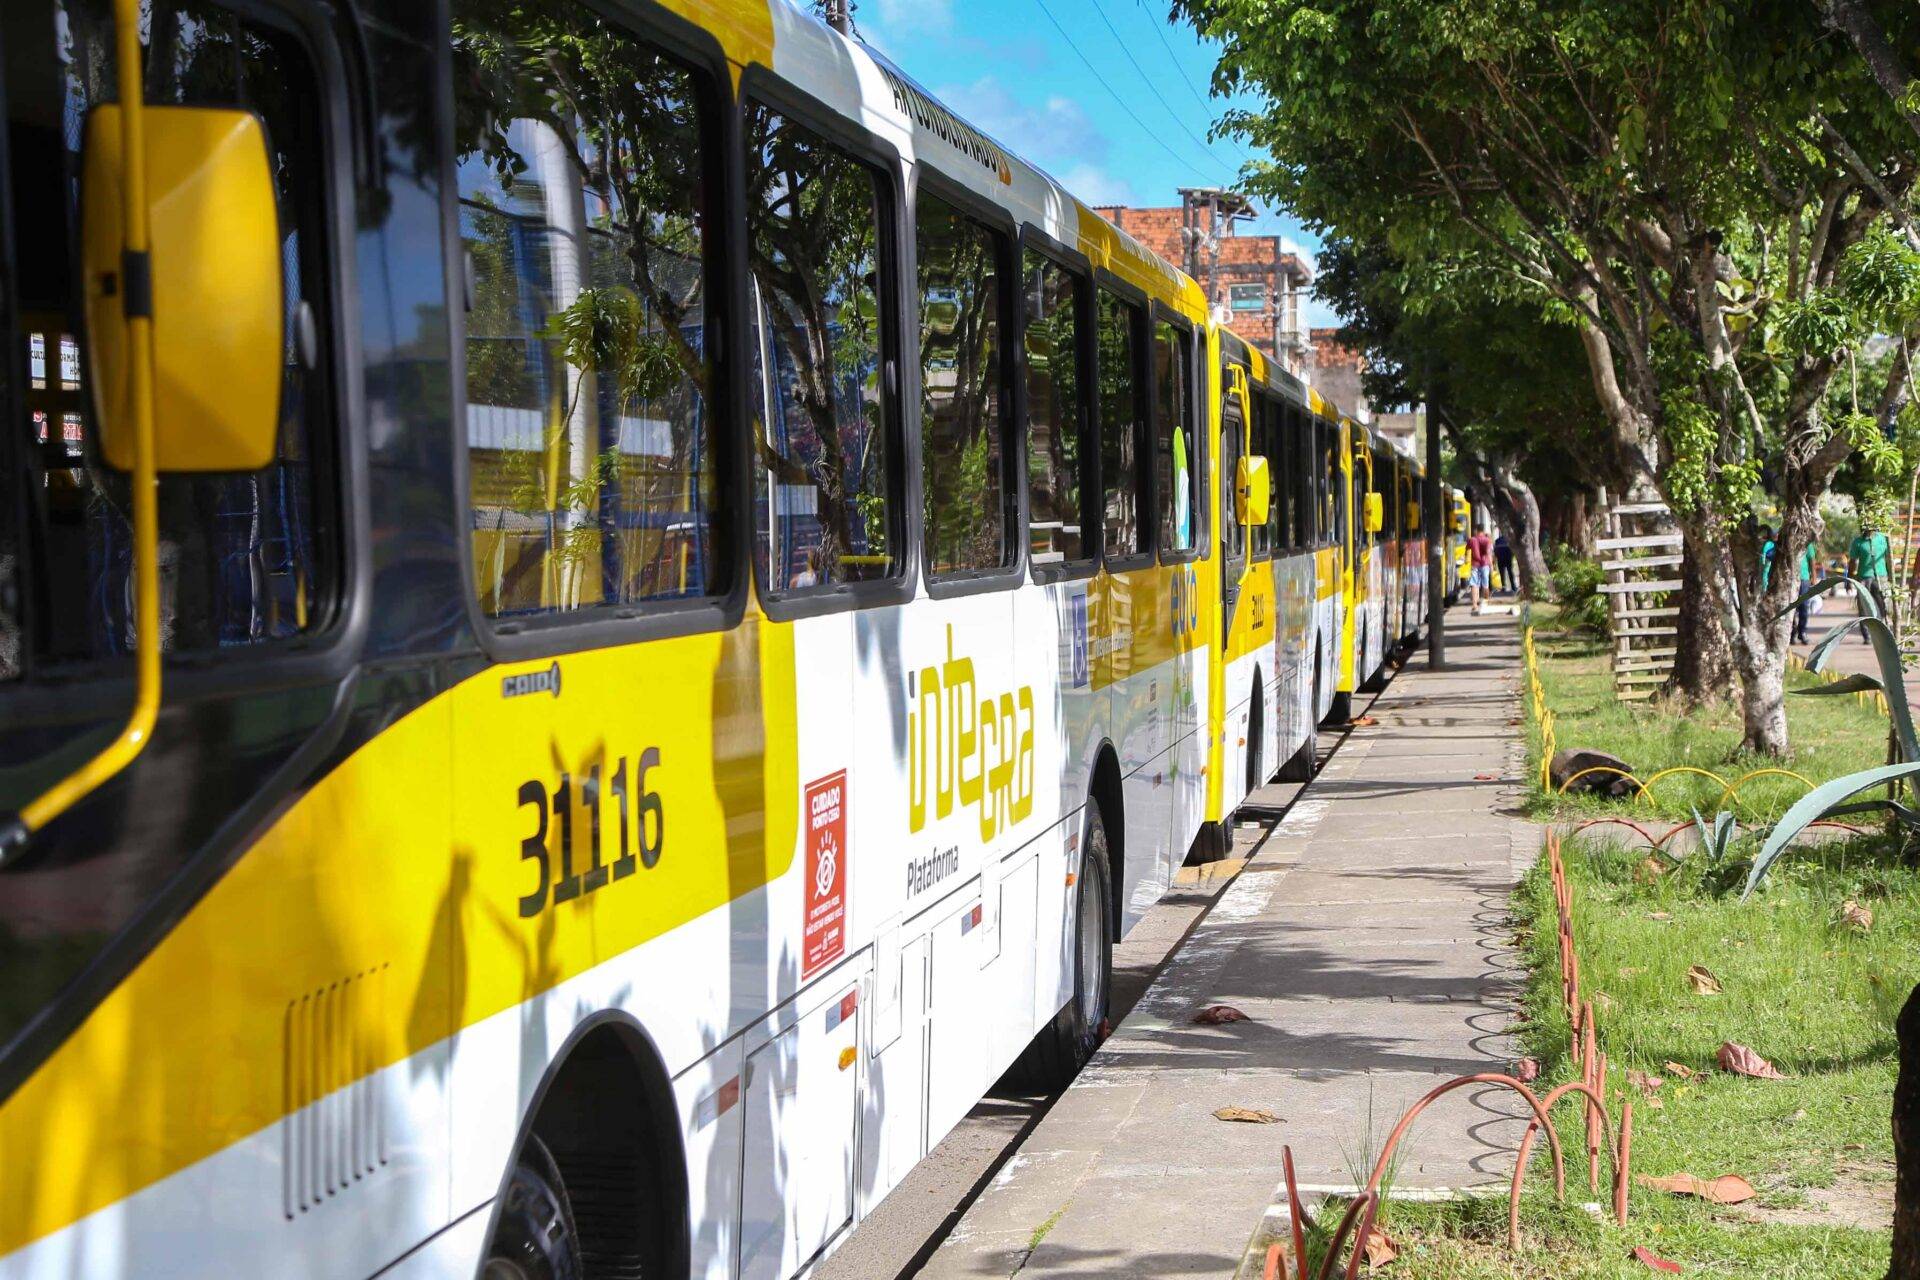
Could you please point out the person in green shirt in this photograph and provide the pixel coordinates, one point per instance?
(1803, 610)
(1869, 559)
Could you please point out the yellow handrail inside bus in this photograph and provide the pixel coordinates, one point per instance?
(132, 739)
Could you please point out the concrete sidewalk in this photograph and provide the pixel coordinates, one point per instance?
(1368, 941)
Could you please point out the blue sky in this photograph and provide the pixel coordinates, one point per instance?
(1118, 133)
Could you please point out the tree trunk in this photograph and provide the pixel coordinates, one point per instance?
(1524, 538)
(1703, 668)
(1763, 692)
(1906, 1147)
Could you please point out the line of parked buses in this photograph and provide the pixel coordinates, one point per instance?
(665, 649)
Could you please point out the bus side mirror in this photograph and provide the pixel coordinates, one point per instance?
(1376, 512)
(212, 283)
(1252, 491)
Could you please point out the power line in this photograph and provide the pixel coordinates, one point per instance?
(1179, 159)
(1147, 80)
(1186, 81)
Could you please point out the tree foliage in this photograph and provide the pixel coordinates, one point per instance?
(1708, 191)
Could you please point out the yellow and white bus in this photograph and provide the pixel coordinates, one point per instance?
(605, 611)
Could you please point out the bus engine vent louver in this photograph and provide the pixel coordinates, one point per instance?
(334, 1125)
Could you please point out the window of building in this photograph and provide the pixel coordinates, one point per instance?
(1057, 473)
(826, 504)
(245, 559)
(962, 390)
(1247, 297)
(1121, 418)
(1176, 443)
(593, 468)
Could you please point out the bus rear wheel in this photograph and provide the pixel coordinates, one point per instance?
(1054, 1056)
(1298, 767)
(534, 1238)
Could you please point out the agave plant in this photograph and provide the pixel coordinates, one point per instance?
(1714, 840)
(1835, 798)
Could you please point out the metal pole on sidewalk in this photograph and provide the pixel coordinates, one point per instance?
(1436, 551)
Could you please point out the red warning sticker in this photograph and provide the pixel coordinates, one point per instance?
(824, 938)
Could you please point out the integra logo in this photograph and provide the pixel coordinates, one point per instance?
(547, 681)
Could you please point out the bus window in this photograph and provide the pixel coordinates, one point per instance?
(1120, 420)
(1300, 475)
(1232, 446)
(825, 509)
(592, 470)
(1056, 411)
(1258, 545)
(245, 559)
(962, 391)
(1176, 444)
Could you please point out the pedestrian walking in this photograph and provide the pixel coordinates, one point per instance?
(1869, 560)
(1803, 608)
(1768, 546)
(1479, 566)
(1503, 560)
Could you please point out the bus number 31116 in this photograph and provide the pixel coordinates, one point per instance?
(638, 811)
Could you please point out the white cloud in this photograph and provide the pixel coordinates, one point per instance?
(900, 19)
(1094, 185)
(1053, 134)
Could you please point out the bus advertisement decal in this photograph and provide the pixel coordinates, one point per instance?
(824, 938)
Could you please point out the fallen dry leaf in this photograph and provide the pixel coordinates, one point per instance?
(1215, 1014)
(1649, 870)
(1798, 1115)
(1728, 1188)
(1659, 915)
(1701, 979)
(1247, 1115)
(1743, 1061)
(1681, 1070)
(1526, 1071)
(1381, 1248)
(1629, 971)
(1854, 1146)
(1653, 1104)
(1364, 720)
(1653, 1260)
(1604, 1001)
(1483, 777)
(1643, 1081)
(1856, 916)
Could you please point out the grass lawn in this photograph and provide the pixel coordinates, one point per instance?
(1830, 736)
(1816, 997)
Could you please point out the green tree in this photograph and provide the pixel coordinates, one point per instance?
(1502, 375)
(1695, 184)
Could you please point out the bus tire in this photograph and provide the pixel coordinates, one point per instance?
(534, 1238)
(1299, 766)
(1051, 1060)
(1341, 712)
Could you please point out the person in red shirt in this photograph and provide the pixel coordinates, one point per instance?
(1479, 566)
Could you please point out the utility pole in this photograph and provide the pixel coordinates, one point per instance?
(838, 14)
(1437, 522)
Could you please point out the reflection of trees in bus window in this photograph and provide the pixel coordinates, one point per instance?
(1232, 445)
(1055, 404)
(1176, 448)
(962, 452)
(244, 558)
(824, 507)
(593, 472)
(1120, 402)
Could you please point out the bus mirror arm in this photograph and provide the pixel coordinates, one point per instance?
(17, 830)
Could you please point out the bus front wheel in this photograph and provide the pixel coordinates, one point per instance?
(534, 1238)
